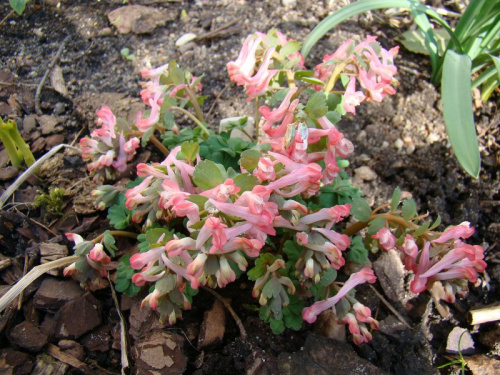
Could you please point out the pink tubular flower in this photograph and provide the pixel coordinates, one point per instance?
(352, 98)
(310, 313)
(342, 241)
(76, 238)
(265, 169)
(215, 229)
(176, 246)
(222, 192)
(305, 179)
(144, 124)
(385, 238)
(97, 254)
(333, 214)
(458, 231)
(154, 73)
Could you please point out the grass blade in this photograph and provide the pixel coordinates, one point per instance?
(347, 12)
(457, 110)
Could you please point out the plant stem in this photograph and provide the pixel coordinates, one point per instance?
(192, 117)
(159, 145)
(10, 147)
(333, 78)
(194, 102)
(119, 233)
(257, 119)
(290, 78)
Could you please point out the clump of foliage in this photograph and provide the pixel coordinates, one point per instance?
(217, 207)
(52, 203)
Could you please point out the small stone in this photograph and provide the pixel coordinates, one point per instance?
(57, 81)
(59, 108)
(54, 293)
(410, 149)
(98, 340)
(29, 123)
(460, 340)
(365, 173)
(48, 123)
(289, 3)
(160, 352)
(72, 348)
(213, 326)
(391, 325)
(399, 143)
(21, 362)
(384, 144)
(28, 336)
(54, 140)
(390, 273)
(142, 320)
(184, 39)
(237, 133)
(483, 365)
(78, 317)
(138, 19)
(8, 173)
(106, 31)
(328, 325)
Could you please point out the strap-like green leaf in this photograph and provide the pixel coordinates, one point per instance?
(347, 12)
(457, 110)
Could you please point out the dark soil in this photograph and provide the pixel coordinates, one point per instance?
(402, 140)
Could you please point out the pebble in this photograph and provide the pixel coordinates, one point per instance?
(410, 149)
(460, 340)
(213, 326)
(399, 143)
(289, 3)
(59, 108)
(365, 173)
(54, 293)
(28, 336)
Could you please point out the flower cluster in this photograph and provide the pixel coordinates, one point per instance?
(445, 258)
(368, 63)
(204, 223)
(109, 148)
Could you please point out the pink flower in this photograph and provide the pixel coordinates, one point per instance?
(222, 192)
(306, 179)
(333, 214)
(310, 313)
(265, 169)
(458, 231)
(76, 238)
(97, 254)
(342, 241)
(154, 73)
(352, 98)
(215, 229)
(145, 124)
(176, 246)
(241, 69)
(385, 238)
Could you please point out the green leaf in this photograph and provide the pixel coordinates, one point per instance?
(277, 326)
(347, 12)
(421, 229)
(110, 243)
(190, 150)
(311, 80)
(208, 175)
(316, 106)
(409, 209)
(289, 48)
(246, 181)
(153, 236)
(457, 110)
(436, 223)
(175, 73)
(250, 159)
(123, 281)
(278, 96)
(18, 5)
(396, 199)
(376, 225)
(328, 277)
(119, 216)
(357, 252)
(360, 209)
(292, 250)
(199, 200)
(414, 41)
(333, 116)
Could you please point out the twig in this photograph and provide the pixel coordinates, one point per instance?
(6, 17)
(45, 76)
(213, 33)
(5, 263)
(25, 270)
(123, 330)
(28, 172)
(159, 145)
(227, 305)
(389, 306)
(55, 352)
(488, 314)
(212, 107)
(31, 276)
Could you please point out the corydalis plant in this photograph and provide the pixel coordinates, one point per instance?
(204, 223)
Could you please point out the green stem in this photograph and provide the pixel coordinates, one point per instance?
(257, 119)
(24, 149)
(335, 75)
(10, 147)
(192, 117)
(194, 102)
(119, 233)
